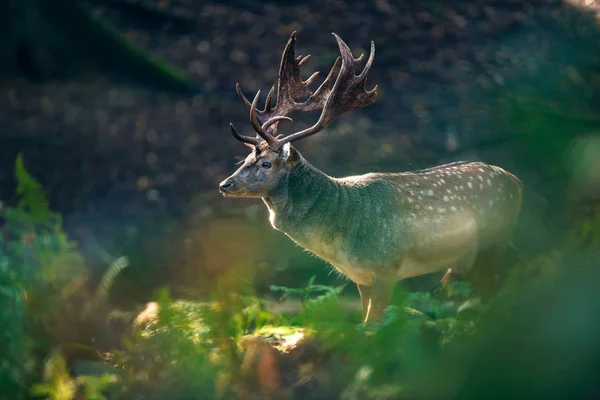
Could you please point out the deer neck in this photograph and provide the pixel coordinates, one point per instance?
(306, 198)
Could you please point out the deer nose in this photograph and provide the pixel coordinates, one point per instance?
(226, 184)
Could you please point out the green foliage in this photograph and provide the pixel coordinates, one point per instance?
(587, 235)
(190, 346)
(18, 273)
(58, 384)
(306, 292)
(15, 345)
(193, 346)
(581, 238)
(37, 265)
(254, 316)
(371, 356)
(34, 236)
(192, 349)
(172, 350)
(108, 278)
(32, 204)
(95, 386)
(188, 349)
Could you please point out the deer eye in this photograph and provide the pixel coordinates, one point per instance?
(266, 165)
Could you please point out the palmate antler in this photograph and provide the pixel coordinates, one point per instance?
(347, 93)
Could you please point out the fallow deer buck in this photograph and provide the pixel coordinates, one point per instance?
(375, 228)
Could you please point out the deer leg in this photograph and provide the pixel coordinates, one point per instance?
(446, 278)
(381, 294)
(460, 269)
(365, 299)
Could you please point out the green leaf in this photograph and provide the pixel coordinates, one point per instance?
(32, 201)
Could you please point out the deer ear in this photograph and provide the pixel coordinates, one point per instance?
(289, 154)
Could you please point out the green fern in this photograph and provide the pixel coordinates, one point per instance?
(32, 201)
(38, 263)
(310, 289)
(109, 277)
(58, 384)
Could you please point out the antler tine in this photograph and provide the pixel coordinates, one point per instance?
(321, 94)
(368, 66)
(355, 81)
(257, 126)
(290, 87)
(274, 120)
(302, 61)
(241, 95)
(247, 102)
(246, 139)
(268, 101)
(348, 92)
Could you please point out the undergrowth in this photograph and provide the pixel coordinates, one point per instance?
(42, 280)
(207, 348)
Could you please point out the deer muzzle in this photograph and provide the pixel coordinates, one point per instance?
(232, 187)
(226, 187)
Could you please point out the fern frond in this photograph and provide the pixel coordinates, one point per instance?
(109, 277)
(32, 199)
(106, 282)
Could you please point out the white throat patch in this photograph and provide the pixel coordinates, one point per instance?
(286, 152)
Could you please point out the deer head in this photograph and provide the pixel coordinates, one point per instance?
(272, 157)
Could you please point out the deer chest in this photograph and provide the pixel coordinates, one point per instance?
(336, 251)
